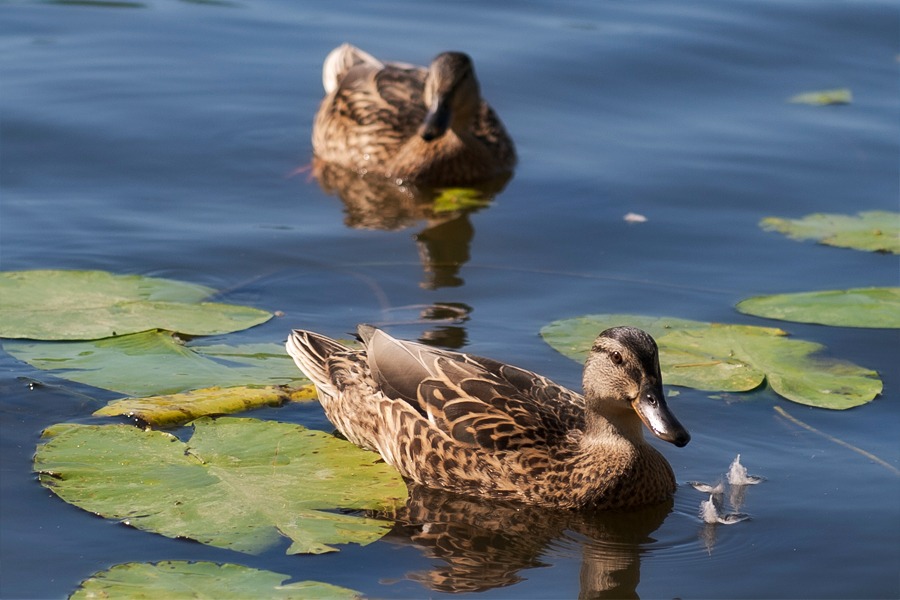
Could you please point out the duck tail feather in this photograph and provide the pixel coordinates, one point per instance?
(311, 352)
(342, 59)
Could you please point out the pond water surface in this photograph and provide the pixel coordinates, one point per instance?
(163, 137)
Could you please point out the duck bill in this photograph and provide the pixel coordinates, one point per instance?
(436, 122)
(651, 407)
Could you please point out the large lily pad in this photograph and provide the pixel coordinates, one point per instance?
(875, 231)
(241, 484)
(177, 409)
(182, 579)
(157, 362)
(722, 357)
(861, 307)
(87, 305)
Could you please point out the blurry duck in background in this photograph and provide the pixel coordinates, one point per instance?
(428, 127)
(479, 427)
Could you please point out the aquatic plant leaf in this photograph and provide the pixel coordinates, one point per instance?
(89, 305)
(723, 357)
(177, 409)
(157, 362)
(184, 579)
(823, 97)
(453, 199)
(241, 484)
(874, 231)
(860, 307)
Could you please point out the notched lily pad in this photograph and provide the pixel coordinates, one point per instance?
(874, 231)
(177, 409)
(240, 484)
(158, 362)
(183, 579)
(88, 305)
(733, 358)
(862, 307)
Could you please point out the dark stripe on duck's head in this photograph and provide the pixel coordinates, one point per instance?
(639, 341)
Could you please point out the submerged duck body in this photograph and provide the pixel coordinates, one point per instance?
(478, 427)
(422, 126)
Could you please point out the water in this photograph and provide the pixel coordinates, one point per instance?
(160, 138)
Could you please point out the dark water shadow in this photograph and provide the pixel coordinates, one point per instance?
(374, 202)
(478, 545)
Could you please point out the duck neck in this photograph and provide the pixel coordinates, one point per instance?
(613, 425)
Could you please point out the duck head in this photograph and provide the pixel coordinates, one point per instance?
(622, 380)
(451, 94)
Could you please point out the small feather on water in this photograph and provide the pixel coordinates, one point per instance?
(709, 514)
(706, 488)
(737, 474)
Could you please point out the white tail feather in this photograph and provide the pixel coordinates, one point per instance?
(342, 59)
(310, 352)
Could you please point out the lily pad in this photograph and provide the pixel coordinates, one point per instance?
(862, 307)
(240, 484)
(874, 231)
(823, 97)
(182, 579)
(88, 305)
(177, 409)
(732, 358)
(158, 362)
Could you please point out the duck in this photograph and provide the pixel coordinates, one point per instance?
(479, 427)
(411, 124)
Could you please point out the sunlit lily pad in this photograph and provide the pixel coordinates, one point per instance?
(157, 362)
(734, 358)
(874, 231)
(862, 307)
(182, 579)
(177, 409)
(241, 484)
(88, 305)
(823, 97)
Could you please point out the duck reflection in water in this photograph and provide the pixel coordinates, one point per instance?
(479, 544)
(380, 204)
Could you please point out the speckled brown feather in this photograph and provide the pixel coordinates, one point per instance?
(476, 426)
(369, 122)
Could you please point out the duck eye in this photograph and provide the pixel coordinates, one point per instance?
(616, 357)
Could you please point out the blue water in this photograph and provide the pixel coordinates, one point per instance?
(162, 138)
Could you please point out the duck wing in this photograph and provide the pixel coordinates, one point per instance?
(475, 401)
(376, 107)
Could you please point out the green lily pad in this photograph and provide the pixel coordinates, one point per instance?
(823, 97)
(240, 484)
(177, 409)
(730, 358)
(874, 231)
(88, 305)
(182, 579)
(862, 307)
(157, 362)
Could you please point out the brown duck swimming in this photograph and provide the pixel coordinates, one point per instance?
(479, 427)
(423, 126)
